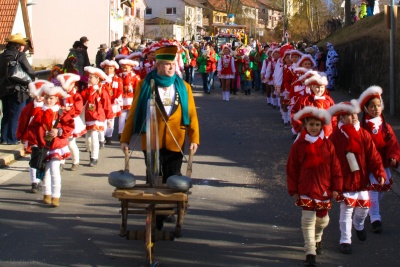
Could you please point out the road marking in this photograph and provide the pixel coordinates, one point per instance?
(13, 170)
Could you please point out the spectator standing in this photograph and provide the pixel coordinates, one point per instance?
(76, 52)
(124, 49)
(207, 61)
(115, 49)
(85, 41)
(101, 54)
(12, 103)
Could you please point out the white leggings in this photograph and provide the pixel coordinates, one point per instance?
(73, 147)
(109, 131)
(312, 228)
(121, 122)
(92, 143)
(346, 222)
(374, 211)
(32, 174)
(51, 184)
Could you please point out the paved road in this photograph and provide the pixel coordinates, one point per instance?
(239, 215)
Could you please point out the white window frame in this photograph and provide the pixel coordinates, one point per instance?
(173, 11)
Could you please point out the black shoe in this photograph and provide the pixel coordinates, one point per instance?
(170, 219)
(318, 248)
(35, 188)
(102, 144)
(108, 140)
(345, 248)
(376, 227)
(93, 162)
(294, 136)
(310, 260)
(362, 235)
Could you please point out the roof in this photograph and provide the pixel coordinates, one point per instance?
(158, 21)
(8, 12)
(196, 3)
(219, 5)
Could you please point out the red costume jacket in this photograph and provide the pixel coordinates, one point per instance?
(75, 102)
(25, 119)
(147, 66)
(98, 105)
(316, 181)
(129, 81)
(388, 147)
(309, 100)
(42, 121)
(369, 161)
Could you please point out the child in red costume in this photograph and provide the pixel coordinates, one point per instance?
(269, 77)
(23, 122)
(114, 87)
(98, 111)
(42, 132)
(298, 88)
(357, 156)
(318, 98)
(386, 143)
(129, 81)
(73, 104)
(226, 71)
(313, 177)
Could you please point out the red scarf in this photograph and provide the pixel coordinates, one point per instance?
(353, 138)
(373, 126)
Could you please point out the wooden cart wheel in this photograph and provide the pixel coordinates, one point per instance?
(150, 231)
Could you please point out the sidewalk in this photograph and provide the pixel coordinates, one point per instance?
(10, 153)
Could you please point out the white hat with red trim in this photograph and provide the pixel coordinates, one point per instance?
(304, 58)
(135, 55)
(316, 79)
(66, 79)
(109, 63)
(345, 108)
(56, 91)
(313, 112)
(129, 62)
(96, 71)
(371, 92)
(36, 87)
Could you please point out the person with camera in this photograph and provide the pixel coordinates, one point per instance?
(13, 93)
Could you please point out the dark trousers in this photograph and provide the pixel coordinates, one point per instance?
(189, 74)
(11, 112)
(170, 163)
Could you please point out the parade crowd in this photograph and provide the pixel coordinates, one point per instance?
(334, 155)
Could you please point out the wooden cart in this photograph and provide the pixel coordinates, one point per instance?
(142, 199)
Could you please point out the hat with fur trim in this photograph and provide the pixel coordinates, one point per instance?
(129, 62)
(98, 72)
(371, 92)
(134, 55)
(300, 70)
(109, 63)
(283, 49)
(313, 112)
(56, 91)
(276, 50)
(226, 46)
(316, 80)
(36, 87)
(120, 56)
(345, 108)
(308, 74)
(304, 58)
(67, 79)
(296, 52)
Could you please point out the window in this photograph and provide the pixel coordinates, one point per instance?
(149, 11)
(138, 12)
(127, 11)
(170, 11)
(263, 10)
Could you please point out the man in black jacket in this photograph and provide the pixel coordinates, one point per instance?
(85, 54)
(13, 100)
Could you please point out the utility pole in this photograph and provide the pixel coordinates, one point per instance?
(284, 21)
(392, 91)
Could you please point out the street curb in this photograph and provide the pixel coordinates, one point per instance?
(11, 155)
